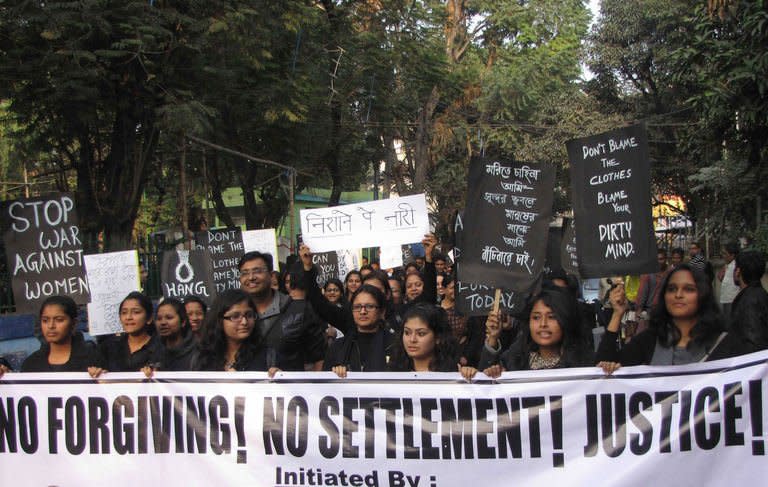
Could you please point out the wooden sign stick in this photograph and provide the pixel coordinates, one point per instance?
(496, 301)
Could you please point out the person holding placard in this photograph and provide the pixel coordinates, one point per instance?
(64, 348)
(685, 326)
(138, 346)
(282, 322)
(551, 338)
(425, 343)
(421, 286)
(368, 346)
(343, 318)
(230, 341)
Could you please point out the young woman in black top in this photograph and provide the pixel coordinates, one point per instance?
(368, 346)
(138, 346)
(229, 341)
(550, 339)
(178, 342)
(685, 326)
(425, 342)
(195, 309)
(64, 349)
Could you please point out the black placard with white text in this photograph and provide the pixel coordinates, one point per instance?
(187, 273)
(569, 256)
(44, 250)
(611, 187)
(509, 207)
(226, 247)
(477, 299)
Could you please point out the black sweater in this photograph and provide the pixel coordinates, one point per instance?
(83, 355)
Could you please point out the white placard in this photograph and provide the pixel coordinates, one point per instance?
(388, 222)
(391, 257)
(111, 277)
(263, 241)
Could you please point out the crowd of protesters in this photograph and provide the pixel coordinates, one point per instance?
(407, 320)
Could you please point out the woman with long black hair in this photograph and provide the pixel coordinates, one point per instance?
(551, 338)
(138, 346)
(425, 342)
(229, 342)
(685, 326)
(64, 349)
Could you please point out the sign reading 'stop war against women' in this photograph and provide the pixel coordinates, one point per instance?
(611, 186)
(509, 206)
(45, 253)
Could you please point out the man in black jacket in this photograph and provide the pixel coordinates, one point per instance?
(281, 321)
(749, 311)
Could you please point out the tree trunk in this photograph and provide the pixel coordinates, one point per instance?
(218, 201)
(422, 152)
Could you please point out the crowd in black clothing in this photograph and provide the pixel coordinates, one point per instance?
(375, 321)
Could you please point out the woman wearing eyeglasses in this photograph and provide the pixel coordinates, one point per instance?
(367, 347)
(229, 342)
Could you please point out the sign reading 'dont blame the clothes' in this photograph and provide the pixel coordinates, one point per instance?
(378, 223)
(611, 187)
(44, 250)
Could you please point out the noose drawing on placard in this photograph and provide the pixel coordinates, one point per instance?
(184, 264)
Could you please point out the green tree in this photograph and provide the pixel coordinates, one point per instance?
(96, 85)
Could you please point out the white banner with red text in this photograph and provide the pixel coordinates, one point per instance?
(699, 424)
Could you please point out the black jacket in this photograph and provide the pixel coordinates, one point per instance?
(257, 363)
(346, 351)
(179, 358)
(639, 351)
(83, 355)
(118, 357)
(341, 317)
(749, 317)
(516, 357)
(291, 332)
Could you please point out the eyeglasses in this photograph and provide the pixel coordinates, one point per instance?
(236, 317)
(367, 307)
(254, 272)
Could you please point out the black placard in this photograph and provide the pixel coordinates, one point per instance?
(554, 240)
(477, 299)
(568, 253)
(44, 250)
(327, 265)
(509, 207)
(225, 247)
(187, 273)
(611, 187)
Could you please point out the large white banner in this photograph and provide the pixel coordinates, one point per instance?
(683, 425)
(378, 223)
(111, 277)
